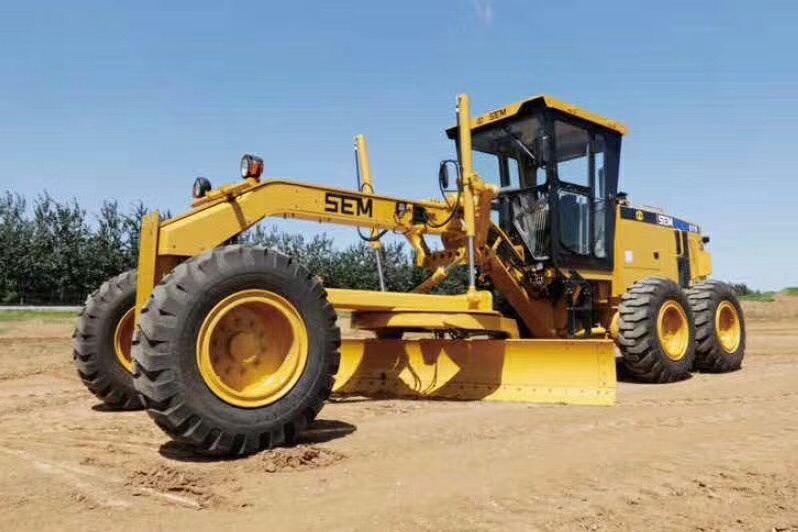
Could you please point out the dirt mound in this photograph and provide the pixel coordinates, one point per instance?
(299, 458)
(189, 488)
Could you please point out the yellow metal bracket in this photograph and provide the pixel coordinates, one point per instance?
(367, 185)
(344, 299)
(148, 260)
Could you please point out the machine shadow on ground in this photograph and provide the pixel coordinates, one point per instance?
(624, 375)
(321, 431)
(107, 409)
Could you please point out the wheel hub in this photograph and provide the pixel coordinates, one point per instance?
(728, 327)
(673, 330)
(252, 348)
(123, 339)
(245, 348)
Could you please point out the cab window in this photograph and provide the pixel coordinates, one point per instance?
(487, 166)
(512, 173)
(572, 153)
(601, 206)
(506, 171)
(513, 150)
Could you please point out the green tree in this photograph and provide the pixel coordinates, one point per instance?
(52, 252)
(16, 236)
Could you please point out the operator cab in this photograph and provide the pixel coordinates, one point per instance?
(557, 167)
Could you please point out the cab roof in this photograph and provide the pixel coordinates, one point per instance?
(537, 102)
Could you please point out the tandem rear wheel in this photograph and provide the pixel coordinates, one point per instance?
(666, 332)
(101, 342)
(236, 350)
(657, 331)
(720, 327)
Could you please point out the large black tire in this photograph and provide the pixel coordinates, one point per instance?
(94, 351)
(641, 346)
(168, 375)
(707, 299)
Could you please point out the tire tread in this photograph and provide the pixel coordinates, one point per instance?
(642, 354)
(704, 299)
(155, 377)
(93, 361)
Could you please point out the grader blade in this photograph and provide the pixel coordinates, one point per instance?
(536, 371)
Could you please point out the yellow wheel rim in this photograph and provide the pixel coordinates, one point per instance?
(123, 339)
(673, 330)
(252, 348)
(728, 327)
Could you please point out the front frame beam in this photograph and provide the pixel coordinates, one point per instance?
(212, 223)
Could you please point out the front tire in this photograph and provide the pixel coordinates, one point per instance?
(720, 327)
(101, 342)
(656, 331)
(236, 351)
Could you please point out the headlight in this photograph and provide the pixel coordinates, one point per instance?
(201, 187)
(251, 167)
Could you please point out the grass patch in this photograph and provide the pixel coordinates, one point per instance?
(790, 291)
(25, 315)
(767, 297)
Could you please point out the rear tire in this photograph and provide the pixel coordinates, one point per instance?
(94, 340)
(196, 404)
(656, 331)
(720, 327)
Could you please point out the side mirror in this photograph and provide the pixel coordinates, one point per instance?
(443, 174)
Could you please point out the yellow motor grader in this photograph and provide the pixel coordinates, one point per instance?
(233, 348)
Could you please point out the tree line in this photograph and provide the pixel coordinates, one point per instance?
(54, 252)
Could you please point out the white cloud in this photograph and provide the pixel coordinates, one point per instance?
(484, 11)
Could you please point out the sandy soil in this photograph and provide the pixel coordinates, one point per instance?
(716, 452)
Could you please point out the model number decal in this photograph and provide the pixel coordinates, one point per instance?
(662, 220)
(667, 221)
(349, 205)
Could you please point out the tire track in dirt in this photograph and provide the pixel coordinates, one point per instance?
(705, 401)
(101, 489)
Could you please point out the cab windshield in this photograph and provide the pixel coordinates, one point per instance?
(551, 164)
(511, 154)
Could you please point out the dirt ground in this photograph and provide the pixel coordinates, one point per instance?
(716, 452)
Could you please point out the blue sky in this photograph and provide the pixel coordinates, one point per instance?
(132, 101)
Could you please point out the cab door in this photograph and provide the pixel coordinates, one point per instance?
(584, 185)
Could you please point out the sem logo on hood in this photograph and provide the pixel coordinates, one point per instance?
(349, 205)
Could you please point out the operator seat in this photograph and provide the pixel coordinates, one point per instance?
(530, 217)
